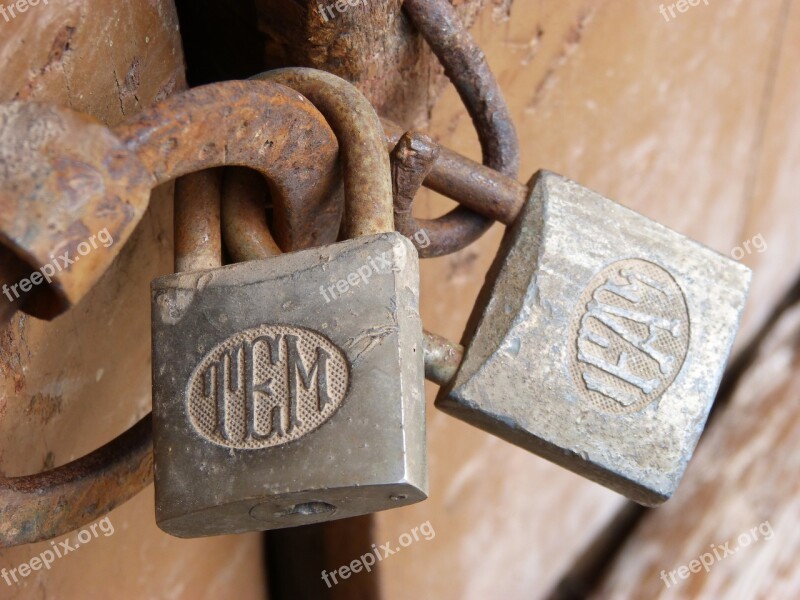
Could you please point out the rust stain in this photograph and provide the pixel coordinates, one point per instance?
(44, 407)
(61, 45)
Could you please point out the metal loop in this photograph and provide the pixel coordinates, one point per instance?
(367, 175)
(466, 66)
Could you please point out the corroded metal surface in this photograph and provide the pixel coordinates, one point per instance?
(466, 66)
(255, 124)
(473, 185)
(243, 194)
(364, 158)
(41, 507)
(412, 160)
(198, 241)
(64, 177)
(599, 340)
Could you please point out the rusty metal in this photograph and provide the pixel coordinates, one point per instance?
(77, 176)
(466, 66)
(198, 242)
(64, 176)
(412, 160)
(364, 157)
(243, 194)
(254, 124)
(473, 185)
(40, 507)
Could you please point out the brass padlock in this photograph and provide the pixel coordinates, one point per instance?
(289, 390)
(599, 340)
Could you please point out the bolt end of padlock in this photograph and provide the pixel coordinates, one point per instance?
(70, 196)
(599, 340)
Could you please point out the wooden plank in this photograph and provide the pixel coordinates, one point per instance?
(746, 468)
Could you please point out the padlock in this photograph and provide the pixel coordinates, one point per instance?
(289, 391)
(598, 341)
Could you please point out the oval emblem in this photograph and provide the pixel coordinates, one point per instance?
(631, 332)
(267, 386)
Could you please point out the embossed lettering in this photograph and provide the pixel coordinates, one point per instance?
(632, 335)
(267, 386)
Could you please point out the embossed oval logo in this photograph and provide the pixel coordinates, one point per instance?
(631, 335)
(267, 386)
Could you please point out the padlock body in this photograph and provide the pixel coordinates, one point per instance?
(289, 390)
(599, 340)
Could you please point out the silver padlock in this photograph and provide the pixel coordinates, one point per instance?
(599, 340)
(289, 391)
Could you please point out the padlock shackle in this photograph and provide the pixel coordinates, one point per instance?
(242, 204)
(198, 239)
(365, 163)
